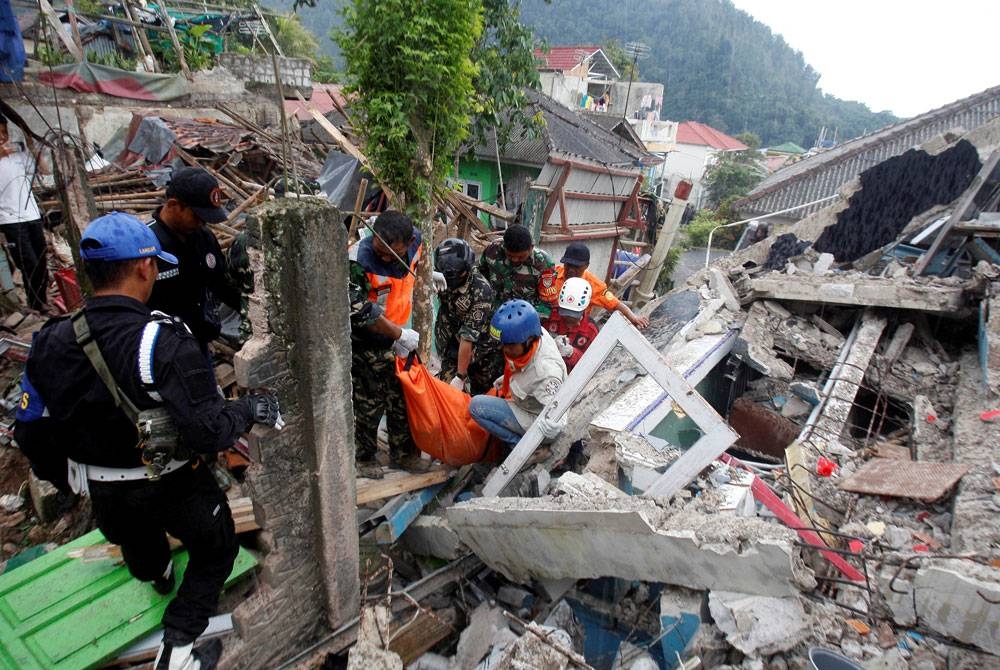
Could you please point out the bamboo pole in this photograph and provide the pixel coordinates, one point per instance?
(168, 22)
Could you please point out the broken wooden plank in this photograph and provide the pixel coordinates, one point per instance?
(400, 513)
(396, 482)
(918, 480)
(862, 290)
(419, 635)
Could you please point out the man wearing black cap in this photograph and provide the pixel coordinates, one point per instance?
(193, 289)
(574, 263)
(89, 381)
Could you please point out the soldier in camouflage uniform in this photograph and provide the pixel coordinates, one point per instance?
(241, 276)
(376, 339)
(517, 270)
(470, 358)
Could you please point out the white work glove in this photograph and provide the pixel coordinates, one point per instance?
(407, 341)
(565, 348)
(457, 383)
(498, 383)
(550, 429)
(440, 284)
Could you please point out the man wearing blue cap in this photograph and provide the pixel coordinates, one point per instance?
(90, 380)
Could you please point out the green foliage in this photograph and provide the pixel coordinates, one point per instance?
(198, 46)
(88, 7)
(695, 234)
(734, 174)
(51, 56)
(717, 64)
(113, 59)
(616, 54)
(325, 72)
(294, 38)
(505, 62)
(409, 63)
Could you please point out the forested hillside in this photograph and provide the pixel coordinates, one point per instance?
(717, 64)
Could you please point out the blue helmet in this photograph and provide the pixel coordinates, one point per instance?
(515, 322)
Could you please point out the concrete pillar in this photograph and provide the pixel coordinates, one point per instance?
(302, 479)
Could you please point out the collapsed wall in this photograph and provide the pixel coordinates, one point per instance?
(302, 479)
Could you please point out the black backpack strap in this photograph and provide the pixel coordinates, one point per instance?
(86, 341)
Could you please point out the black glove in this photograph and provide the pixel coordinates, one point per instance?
(264, 408)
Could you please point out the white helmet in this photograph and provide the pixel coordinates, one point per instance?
(574, 297)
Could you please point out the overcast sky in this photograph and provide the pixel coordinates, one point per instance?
(905, 56)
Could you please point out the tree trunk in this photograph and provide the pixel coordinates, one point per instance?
(423, 291)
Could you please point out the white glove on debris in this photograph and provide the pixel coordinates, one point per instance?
(550, 429)
(565, 348)
(440, 284)
(457, 383)
(407, 341)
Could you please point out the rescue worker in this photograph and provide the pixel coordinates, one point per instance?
(533, 373)
(470, 358)
(193, 289)
(89, 379)
(517, 270)
(574, 263)
(382, 274)
(570, 325)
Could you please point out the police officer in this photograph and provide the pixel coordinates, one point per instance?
(115, 348)
(470, 358)
(517, 270)
(193, 288)
(382, 272)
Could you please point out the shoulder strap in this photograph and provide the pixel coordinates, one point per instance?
(86, 341)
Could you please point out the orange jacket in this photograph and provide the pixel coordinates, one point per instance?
(395, 295)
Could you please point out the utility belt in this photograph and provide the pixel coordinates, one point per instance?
(80, 474)
(159, 440)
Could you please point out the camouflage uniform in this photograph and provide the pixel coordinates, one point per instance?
(241, 276)
(465, 314)
(534, 281)
(376, 390)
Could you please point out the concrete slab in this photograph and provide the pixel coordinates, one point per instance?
(863, 290)
(631, 538)
(431, 536)
(954, 598)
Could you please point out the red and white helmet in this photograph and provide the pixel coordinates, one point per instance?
(574, 297)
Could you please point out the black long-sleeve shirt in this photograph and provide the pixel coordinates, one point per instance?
(82, 416)
(194, 287)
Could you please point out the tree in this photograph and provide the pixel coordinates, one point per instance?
(505, 62)
(627, 67)
(410, 68)
(294, 38)
(731, 176)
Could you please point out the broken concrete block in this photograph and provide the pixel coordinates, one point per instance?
(539, 647)
(368, 653)
(587, 485)
(724, 289)
(479, 636)
(758, 625)
(956, 599)
(631, 657)
(44, 496)
(823, 264)
(630, 538)
(430, 535)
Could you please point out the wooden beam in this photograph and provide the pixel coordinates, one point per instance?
(56, 24)
(394, 483)
(178, 48)
(961, 212)
(556, 191)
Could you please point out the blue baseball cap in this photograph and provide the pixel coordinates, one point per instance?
(120, 237)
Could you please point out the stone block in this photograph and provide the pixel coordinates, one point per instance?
(431, 536)
(44, 497)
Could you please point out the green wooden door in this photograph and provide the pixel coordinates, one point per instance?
(60, 612)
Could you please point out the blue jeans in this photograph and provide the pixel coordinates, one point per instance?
(496, 417)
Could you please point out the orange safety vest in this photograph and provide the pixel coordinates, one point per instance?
(395, 295)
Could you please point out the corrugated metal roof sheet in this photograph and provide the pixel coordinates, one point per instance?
(692, 132)
(821, 175)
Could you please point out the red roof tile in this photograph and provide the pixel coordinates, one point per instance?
(565, 58)
(692, 132)
(320, 100)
